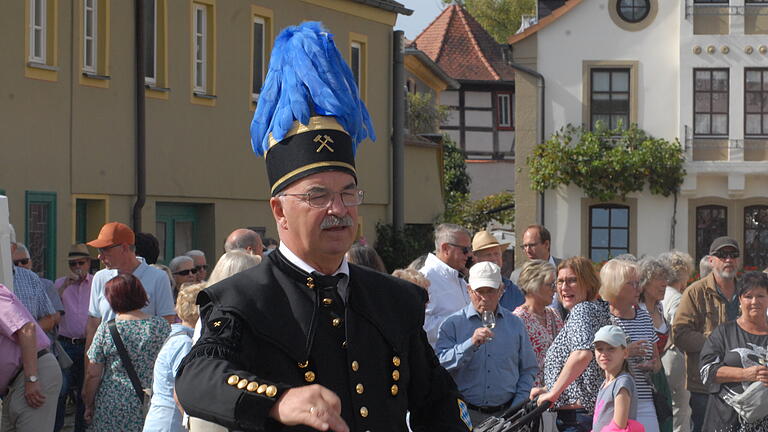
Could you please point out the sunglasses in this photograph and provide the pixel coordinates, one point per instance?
(78, 263)
(726, 255)
(201, 267)
(464, 249)
(21, 262)
(186, 272)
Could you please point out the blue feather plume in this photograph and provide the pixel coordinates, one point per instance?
(307, 74)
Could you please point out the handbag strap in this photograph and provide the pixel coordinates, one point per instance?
(126, 361)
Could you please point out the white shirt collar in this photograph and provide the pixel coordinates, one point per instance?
(300, 263)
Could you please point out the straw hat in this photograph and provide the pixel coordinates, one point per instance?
(485, 240)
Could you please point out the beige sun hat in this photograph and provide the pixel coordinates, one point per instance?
(485, 240)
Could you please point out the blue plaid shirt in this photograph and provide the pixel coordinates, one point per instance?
(30, 291)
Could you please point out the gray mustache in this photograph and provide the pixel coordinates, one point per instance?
(332, 221)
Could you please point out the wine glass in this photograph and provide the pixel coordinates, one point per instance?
(489, 320)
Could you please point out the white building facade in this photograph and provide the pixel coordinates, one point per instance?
(697, 72)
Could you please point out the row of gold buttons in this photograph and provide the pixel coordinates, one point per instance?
(252, 386)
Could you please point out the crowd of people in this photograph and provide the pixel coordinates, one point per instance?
(626, 345)
(314, 334)
(61, 341)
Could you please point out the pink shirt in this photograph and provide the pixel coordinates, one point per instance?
(76, 298)
(13, 316)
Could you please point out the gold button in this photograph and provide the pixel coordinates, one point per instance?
(262, 388)
(271, 391)
(242, 383)
(252, 386)
(310, 283)
(233, 379)
(327, 301)
(396, 375)
(355, 365)
(309, 376)
(304, 364)
(359, 389)
(394, 389)
(396, 361)
(363, 412)
(336, 322)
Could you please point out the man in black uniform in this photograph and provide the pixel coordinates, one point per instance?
(307, 341)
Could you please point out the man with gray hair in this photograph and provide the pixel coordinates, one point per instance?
(201, 265)
(445, 269)
(245, 239)
(183, 270)
(30, 289)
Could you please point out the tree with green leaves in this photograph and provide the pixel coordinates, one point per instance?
(500, 18)
(607, 164)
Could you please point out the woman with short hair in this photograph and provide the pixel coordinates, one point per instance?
(542, 323)
(163, 415)
(734, 357)
(111, 403)
(673, 359)
(620, 287)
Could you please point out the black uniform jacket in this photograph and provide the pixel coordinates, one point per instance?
(254, 347)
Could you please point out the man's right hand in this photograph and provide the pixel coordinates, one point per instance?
(313, 405)
(481, 336)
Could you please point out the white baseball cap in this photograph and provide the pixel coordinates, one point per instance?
(612, 335)
(485, 274)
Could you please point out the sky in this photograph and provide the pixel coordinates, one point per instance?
(424, 11)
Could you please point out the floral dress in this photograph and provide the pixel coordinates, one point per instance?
(541, 334)
(117, 408)
(583, 322)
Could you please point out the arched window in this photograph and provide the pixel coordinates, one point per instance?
(755, 237)
(711, 223)
(608, 231)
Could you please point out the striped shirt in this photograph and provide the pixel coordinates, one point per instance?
(639, 328)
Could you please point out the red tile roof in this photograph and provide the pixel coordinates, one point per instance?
(462, 47)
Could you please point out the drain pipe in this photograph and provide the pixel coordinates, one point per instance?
(398, 131)
(540, 137)
(141, 151)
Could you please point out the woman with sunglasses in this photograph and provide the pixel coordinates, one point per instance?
(183, 270)
(571, 375)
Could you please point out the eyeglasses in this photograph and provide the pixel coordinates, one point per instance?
(21, 262)
(201, 267)
(186, 272)
(529, 246)
(723, 255)
(78, 263)
(569, 281)
(104, 249)
(464, 249)
(324, 198)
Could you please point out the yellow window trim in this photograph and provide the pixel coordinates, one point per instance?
(363, 41)
(95, 197)
(102, 45)
(209, 99)
(49, 71)
(161, 54)
(268, 16)
(357, 9)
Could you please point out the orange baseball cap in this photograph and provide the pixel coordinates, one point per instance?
(113, 233)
